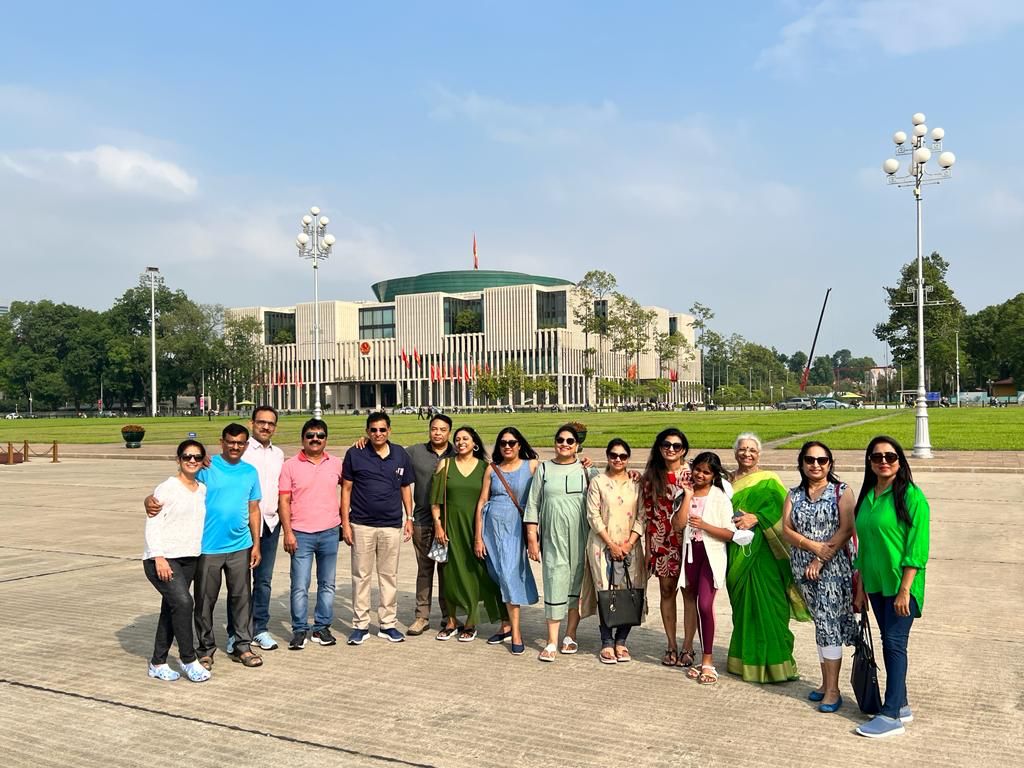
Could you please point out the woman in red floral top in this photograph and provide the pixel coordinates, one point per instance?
(665, 488)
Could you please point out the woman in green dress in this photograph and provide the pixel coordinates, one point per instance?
(759, 579)
(556, 519)
(453, 497)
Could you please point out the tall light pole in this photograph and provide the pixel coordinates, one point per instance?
(314, 243)
(152, 276)
(916, 174)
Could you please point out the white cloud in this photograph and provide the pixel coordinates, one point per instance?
(896, 27)
(105, 166)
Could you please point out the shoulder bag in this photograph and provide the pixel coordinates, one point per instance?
(508, 488)
(864, 676)
(622, 607)
(438, 552)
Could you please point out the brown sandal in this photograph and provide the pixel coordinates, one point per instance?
(686, 658)
(206, 662)
(247, 659)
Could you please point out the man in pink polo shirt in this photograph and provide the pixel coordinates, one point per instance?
(310, 517)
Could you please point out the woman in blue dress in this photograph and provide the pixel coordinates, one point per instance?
(499, 529)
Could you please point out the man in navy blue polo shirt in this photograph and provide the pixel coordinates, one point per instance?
(376, 490)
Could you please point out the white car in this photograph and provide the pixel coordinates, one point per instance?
(10, 416)
(407, 409)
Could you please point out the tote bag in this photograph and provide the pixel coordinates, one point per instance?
(622, 607)
(864, 676)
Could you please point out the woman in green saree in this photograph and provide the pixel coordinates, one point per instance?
(759, 579)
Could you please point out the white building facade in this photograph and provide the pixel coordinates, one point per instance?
(429, 338)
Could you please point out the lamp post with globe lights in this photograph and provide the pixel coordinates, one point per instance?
(314, 243)
(152, 276)
(917, 174)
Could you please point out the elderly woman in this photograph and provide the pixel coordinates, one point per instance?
(616, 536)
(817, 521)
(556, 515)
(893, 533)
(759, 580)
(174, 538)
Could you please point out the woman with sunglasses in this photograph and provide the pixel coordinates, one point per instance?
(614, 542)
(664, 490)
(454, 494)
(892, 522)
(174, 538)
(817, 521)
(499, 530)
(759, 579)
(556, 515)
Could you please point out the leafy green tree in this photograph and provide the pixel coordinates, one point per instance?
(487, 386)
(511, 380)
(468, 321)
(822, 372)
(630, 328)
(596, 286)
(941, 321)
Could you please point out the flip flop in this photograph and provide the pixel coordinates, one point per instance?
(622, 655)
(607, 656)
(547, 653)
(569, 646)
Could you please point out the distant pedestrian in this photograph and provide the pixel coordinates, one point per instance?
(817, 521)
(311, 517)
(893, 520)
(376, 488)
(174, 539)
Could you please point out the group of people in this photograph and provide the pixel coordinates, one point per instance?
(476, 521)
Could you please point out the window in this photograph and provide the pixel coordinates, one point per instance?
(377, 323)
(463, 316)
(673, 326)
(278, 328)
(551, 309)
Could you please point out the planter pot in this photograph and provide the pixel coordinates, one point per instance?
(133, 439)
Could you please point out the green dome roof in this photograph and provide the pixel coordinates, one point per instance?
(458, 281)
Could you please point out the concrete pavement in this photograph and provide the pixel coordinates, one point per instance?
(79, 616)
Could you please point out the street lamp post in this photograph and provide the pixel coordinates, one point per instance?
(152, 276)
(916, 174)
(314, 243)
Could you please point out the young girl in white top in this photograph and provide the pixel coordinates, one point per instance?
(707, 526)
(174, 540)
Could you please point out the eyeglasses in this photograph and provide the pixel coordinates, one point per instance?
(315, 435)
(618, 457)
(508, 443)
(186, 457)
(810, 461)
(235, 443)
(378, 430)
(884, 458)
(668, 445)
(565, 440)
(265, 424)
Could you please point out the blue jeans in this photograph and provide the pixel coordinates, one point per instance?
(261, 582)
(895, 631)
(324, 547)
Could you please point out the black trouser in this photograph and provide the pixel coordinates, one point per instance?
(235, 565)
(175, 609)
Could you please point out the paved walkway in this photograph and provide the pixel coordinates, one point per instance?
(79, 617)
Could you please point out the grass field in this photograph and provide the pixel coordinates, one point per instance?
(966, 429)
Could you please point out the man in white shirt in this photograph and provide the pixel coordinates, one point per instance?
(268, 460)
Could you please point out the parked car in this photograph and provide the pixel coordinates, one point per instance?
(830, 403)
(10, 416)
(407, 409)
(795, 404)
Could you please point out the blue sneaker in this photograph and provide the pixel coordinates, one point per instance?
(906, 714)
(229, 646)
(358, 636)
(881, 726)
(391, 634)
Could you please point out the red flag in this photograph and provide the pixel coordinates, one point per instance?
(631, 372)
(415, 355)
(405, 358)
(673, 375)
(465, 373)
(476, 261)
(433, 372)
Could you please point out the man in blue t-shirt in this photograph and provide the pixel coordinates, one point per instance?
(376, 488)
(233, 522)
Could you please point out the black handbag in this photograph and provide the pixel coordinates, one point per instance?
(864, 676)
(622, 607)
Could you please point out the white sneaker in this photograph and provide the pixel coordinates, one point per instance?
(162, 672)
(195, 672)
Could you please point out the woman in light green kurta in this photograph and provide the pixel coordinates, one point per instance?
(556, 520)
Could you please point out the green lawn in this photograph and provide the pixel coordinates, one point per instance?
(706, 430)
(964, 429)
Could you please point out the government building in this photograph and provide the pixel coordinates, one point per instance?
(427, 339)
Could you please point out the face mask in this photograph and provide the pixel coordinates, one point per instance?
(743, 537)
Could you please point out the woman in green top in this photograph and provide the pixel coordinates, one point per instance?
(892, 551)
(759, 578)
(556, 517)
(453, 497)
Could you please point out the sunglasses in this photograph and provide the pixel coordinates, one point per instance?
(508, 443)
(565, 440)
(186, 457)
(668, 445)
(618, 457)
(810, 461)
(379, 430)
(315, 435)
(887, 458)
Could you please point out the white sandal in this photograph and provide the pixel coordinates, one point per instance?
(569, 646)
(548, 653)
(162, 672)
(195, 672)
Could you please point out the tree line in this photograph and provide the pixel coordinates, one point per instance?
(64, 356)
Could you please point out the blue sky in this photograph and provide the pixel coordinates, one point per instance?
(725, 153)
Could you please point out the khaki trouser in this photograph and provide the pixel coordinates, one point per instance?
(375, 549)
(422, 538)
